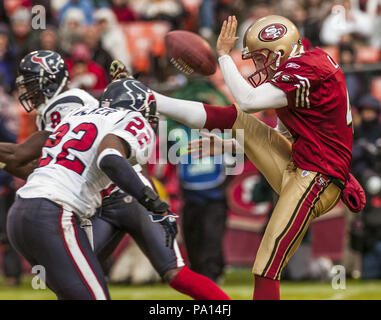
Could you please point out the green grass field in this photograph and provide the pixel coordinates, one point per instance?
(238, 284)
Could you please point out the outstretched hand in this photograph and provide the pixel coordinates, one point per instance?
(210, 146)
(227, 38)
(197, 148)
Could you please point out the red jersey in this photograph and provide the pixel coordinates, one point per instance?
(318, 114)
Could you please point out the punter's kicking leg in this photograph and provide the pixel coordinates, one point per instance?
(303, 195)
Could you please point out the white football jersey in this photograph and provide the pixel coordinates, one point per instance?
(68, 173)
(50, 115)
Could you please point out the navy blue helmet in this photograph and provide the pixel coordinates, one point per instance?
(43, 74)
(131, 94)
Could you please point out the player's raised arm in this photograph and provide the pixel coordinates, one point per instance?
(249, 99)
(17, 159)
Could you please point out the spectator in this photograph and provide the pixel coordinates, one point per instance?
(166, 10)
(23, 38)
(207, 18)
(9, 112)
(3, 14)
(49, 40)
(366, 231)
(347, 58)
(98, 54)
(318, 10)
(7, 66)
(345, 19)
(71, 29)
(51, 18)
(84, 73)
(112, 37)
(122, 11)
(85, 6)
(258, 11)
(307, 27)
(203, 187)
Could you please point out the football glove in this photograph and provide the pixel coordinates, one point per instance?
(169, 225)
(152, 202)
(118, 71)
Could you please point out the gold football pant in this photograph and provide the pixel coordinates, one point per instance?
(303, 195)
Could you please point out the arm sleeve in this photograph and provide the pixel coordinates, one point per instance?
(190, 113)
(250, 99)
(121, 173)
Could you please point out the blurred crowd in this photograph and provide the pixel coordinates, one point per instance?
(89, 34)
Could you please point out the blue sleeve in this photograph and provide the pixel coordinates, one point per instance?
(119, 170)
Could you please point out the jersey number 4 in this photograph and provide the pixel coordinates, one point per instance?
(82, 144)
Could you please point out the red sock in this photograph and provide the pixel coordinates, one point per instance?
(266, 289)
(197, 286)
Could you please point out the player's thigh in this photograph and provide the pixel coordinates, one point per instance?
(49, 236)
(131, 217)
(75, 272)
(15, 228)
(266, 148)
(106, 237)
(304, 196)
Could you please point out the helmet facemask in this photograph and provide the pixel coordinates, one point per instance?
(35, 91)
(150, 113)
(269, 42)
(265, 62)
(30, 92)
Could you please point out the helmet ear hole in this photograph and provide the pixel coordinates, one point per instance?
(281, 52)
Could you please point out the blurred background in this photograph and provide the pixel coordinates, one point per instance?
(222, 221)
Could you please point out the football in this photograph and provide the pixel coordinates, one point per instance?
(190, 53)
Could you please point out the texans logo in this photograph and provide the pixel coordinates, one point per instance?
(49, 64)
(272, 32)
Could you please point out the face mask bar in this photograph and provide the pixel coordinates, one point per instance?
(264, 60)
(30, 95)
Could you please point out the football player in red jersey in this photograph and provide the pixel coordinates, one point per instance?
(310, 170)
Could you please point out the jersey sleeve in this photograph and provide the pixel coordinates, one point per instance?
(133, 128)
(297, 80)
(59, 109)
(40, 123)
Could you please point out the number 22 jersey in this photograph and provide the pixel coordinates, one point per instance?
(68, 173)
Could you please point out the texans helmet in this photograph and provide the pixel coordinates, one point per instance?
(131, 94)
(43, 74)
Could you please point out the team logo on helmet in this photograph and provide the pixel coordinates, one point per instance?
(272, 32)
(48, 64)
